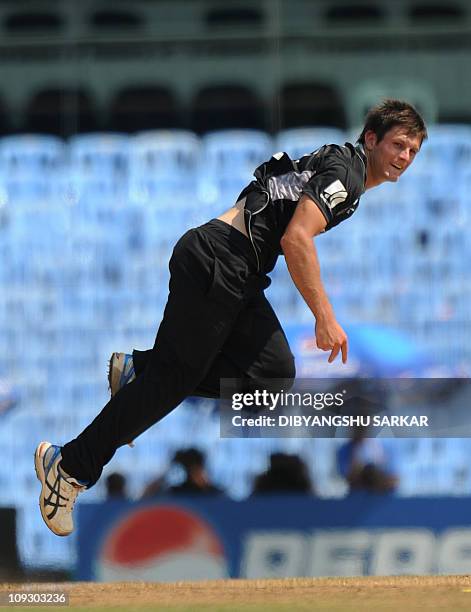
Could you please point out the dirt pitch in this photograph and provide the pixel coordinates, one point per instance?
(334, 594)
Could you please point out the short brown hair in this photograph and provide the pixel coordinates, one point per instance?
(390, 113)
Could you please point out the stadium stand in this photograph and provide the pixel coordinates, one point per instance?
(84, 250)
(72, 212)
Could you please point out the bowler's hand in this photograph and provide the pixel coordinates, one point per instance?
(331, 337)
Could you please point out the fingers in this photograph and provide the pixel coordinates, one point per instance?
(334, 353)
(336, 349)
(332, 339)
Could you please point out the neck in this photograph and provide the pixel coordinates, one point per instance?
(371, 179)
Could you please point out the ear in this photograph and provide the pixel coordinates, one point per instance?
(370, 140)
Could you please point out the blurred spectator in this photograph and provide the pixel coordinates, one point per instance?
(367, 464)
(286, 474)
(116, 486)
(196, 480)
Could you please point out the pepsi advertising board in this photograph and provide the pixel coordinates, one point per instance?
(271, 537)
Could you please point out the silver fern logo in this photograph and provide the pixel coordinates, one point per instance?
(334, 194)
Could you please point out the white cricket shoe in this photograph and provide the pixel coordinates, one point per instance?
(58, 491)
(120, 371)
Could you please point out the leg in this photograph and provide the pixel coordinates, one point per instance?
(206, 296)
(256, 348)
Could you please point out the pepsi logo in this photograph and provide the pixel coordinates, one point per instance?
(161, 543)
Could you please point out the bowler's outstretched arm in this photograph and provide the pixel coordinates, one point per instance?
(303, 265)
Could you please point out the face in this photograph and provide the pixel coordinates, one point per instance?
(389, 158)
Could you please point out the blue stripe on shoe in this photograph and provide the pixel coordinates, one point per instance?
(128, 371)
(57, 450)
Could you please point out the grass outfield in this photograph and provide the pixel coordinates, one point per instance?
(334, 594)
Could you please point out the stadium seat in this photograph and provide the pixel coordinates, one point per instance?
(221, 107)
(354, 14)
(229, 158)
(448, 146)
(99, 153)
(5, 126)
(306, 104)
(98, 164)
(29, 164)
(61, 111)
(31, 153)
(426, 14)
(234, 17)
(106, 20)
(147, 107)
(34, 21)
(163, 163)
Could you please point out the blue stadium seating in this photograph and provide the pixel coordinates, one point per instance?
(87, 228)
(28, 164)
(229, 158)
(98, 165)
(163, 163)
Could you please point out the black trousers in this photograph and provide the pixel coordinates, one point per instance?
(217, 324)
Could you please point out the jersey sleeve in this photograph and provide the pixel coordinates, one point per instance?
(332, 190)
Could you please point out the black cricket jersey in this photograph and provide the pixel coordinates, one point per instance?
(334, 177)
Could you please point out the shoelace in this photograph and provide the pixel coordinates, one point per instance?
(72, 491)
